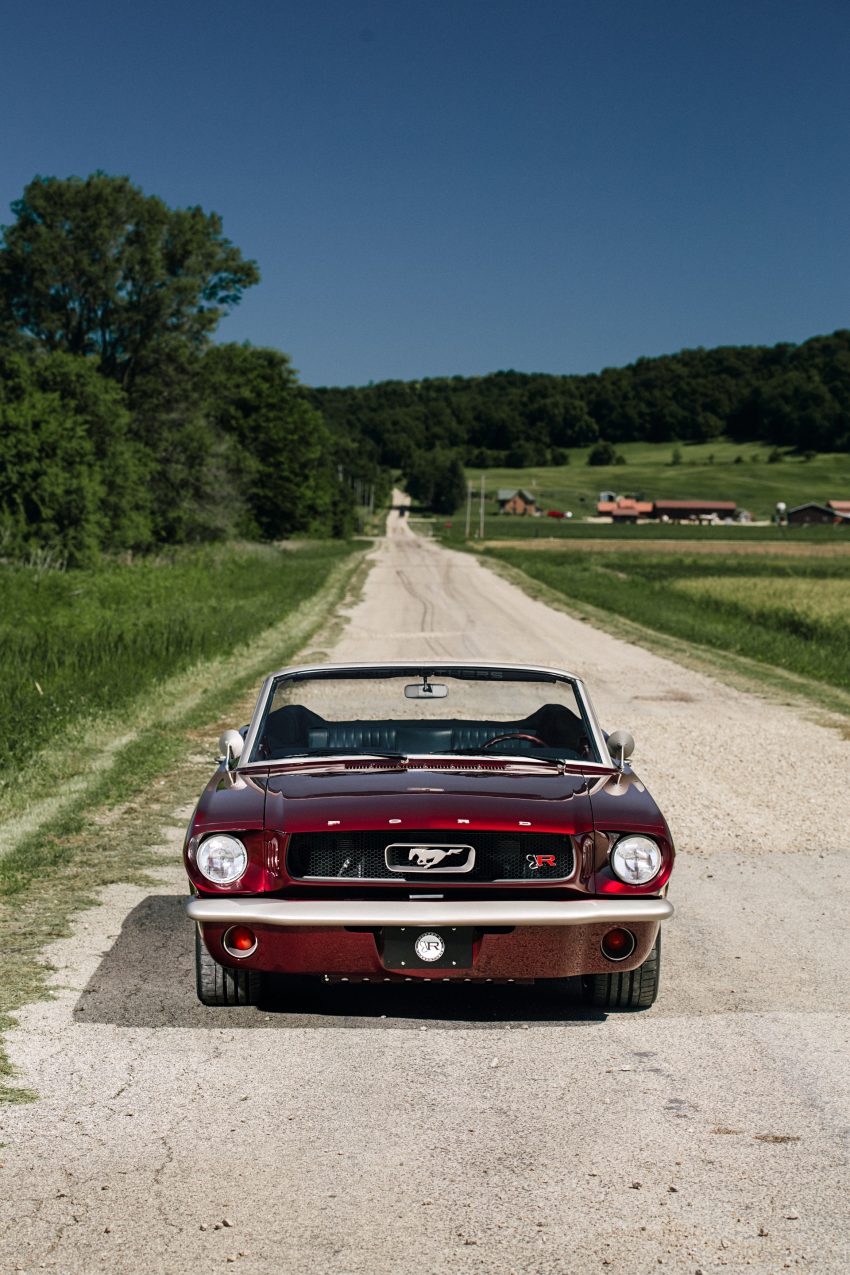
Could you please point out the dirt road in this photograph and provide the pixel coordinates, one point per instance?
(460, 1130)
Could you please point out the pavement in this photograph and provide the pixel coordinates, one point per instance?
(475, 1129)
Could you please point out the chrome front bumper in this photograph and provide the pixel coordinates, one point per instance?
(375, 914)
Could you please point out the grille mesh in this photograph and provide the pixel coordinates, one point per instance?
(499, 856)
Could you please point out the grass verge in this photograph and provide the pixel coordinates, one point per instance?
(136, 779)
(646, 627)
(81, 642)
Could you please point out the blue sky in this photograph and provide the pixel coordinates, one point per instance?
(459, 186)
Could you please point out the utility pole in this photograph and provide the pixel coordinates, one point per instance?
(481, 513)
(468, 506)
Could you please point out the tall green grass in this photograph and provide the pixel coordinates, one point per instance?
(743, 609)
(79, 642)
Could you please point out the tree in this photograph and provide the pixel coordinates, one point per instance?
(195, 495)
(419, 480)
(72, 479)
(282, 455)
(437, 481)
(604, 453)
(95, 267)
(449, 485)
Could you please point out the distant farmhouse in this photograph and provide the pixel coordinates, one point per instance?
(516, 501)
(812, 513)
(624, 509)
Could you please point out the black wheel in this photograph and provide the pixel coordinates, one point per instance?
(219, 985)
(633, 989)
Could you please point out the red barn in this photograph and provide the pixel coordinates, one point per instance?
(624, 509)
(693, 510)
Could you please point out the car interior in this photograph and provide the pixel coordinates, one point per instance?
(552, 731)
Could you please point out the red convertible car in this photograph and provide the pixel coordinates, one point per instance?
(386, 822)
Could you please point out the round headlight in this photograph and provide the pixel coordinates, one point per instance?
(222, 858)
(636, 860)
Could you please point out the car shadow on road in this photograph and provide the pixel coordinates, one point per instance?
(147, 979)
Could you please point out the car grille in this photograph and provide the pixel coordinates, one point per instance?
(499, 856)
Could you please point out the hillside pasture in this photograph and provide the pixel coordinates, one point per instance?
(707, 471)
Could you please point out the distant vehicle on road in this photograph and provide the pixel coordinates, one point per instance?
(408, 821)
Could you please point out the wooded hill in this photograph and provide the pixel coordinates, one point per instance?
(790, 395)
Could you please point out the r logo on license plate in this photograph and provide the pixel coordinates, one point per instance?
(429, 947)
(410, 948)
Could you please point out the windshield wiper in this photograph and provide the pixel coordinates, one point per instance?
(342, 752)
(516, 759)
(485, 752)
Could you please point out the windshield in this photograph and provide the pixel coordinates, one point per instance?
(461, 712)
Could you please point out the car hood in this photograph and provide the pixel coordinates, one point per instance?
(317, 800)
(622, 803)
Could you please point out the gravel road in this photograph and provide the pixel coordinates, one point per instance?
(456, 1130)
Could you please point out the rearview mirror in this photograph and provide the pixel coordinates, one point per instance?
(426, 690)
(230, 745)
(621, 745)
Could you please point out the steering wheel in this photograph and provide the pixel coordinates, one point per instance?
(500, 739)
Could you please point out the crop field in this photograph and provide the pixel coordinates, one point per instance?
(805, 546)
(718, 470)
(788, 611)
(802, 601)
(78, 642)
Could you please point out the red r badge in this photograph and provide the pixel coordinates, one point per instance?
(536, 861)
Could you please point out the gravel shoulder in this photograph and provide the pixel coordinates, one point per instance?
(467, 1130)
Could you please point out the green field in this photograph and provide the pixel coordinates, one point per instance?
(753, 483)
(452, 532)
(787, 611)
(81, 642)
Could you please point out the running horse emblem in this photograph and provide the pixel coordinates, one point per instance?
(430, 856)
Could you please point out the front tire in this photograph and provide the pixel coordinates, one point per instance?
(219, 985)
(633, 989)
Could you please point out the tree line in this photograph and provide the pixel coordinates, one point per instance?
(795, 396)
(122, 426)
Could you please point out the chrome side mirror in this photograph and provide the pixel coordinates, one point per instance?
(621, 745)
(230, 745)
